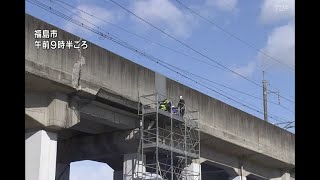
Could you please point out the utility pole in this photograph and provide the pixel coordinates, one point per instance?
(264, 89)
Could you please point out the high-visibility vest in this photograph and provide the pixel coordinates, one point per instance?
(164, 104)
(163, 107)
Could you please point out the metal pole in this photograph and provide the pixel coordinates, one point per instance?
(199, 151)
(185, 142)
(264, 88)
(157, 137)
(142, 139)
(171, 144)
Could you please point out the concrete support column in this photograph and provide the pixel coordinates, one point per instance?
(285, 176)
(40, 154)
(238, 178)
(237, 173)
(133, 165)
(62, 171)
(117, 175)
(193, 171)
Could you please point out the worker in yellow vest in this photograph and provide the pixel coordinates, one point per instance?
(165, 105)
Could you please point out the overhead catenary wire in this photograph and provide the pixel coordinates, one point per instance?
(282, 92)
(124, 44)
(199, 77)
(235, 97)
(267, 74)
(187, 72)
(284, 122)
(191, 48)
(288, 125)
(135, 34)
(208, 80)
(130, 47)
(234, 36)
(83, 11)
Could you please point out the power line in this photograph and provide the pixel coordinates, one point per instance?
(130, 47)
(129, 31)
(186, 45)
(274, 116)
(287, 122)
(278, 89)
(81, 10)
(232, 35)
(288, 125)
(283, 93)
(231, 88)
(135, 34)
(165, 63)
(238, 91)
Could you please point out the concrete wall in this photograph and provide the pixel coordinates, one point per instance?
(236, 126)
(104, 69)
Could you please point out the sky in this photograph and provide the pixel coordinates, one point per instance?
(267, 25)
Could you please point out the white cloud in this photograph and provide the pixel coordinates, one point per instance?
(166, 14)
(281, 46)
(277, 10)
(246, 70)
(102, 13)
(204, 10)
(224, 5)
(212, 9)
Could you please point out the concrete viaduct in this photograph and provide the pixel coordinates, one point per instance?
(82, 105)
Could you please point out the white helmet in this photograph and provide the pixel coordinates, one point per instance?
(180, 97)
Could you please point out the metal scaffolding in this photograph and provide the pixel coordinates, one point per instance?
(169, 141)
